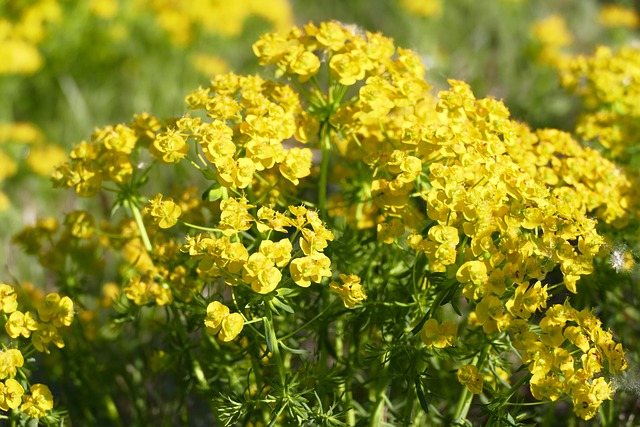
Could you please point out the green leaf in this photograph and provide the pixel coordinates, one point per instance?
(269, 334)
(282, 305)
(421, 396)
(213, 193)
(294, 350)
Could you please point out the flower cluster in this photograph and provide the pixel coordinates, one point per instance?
(54, 313)
(608, 83)
(433, 201)
(105, 158)
(220, 322)
(577, 174)
(567, 357)
(248, 120)
(261, 270)
(502, 230)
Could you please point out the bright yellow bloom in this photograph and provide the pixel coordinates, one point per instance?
(311, 268)
(38, 402)
(469, 377)
(438, 335)
(296, 164)
(10, 361)
(351, 291)
(44, 335)
(278, 252)
(260, 273)
(20, 323)
(165, 213)
(549, 387)
(105, 9)
(472, 271)
(216, 312)
(8, 298)
(220, 321)
(59, 311)
(235, 216)
(172, 145)
(11, 393)
(231, 327)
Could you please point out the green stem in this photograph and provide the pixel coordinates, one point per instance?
(325, 147)
(137, 217)
(196, 368)
(268, 323)
(200, 227)
(464, 403)
(344, 387)
(382, 382)
(112, 410)
(310, 321)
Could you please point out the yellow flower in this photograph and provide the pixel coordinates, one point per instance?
(488, 311)
(118, 138)
(220, 321)
(469, 377)
(11, 393)
(389, 231)
(348, 68)
(80, 223)
(44, 335)
(330, 35)
(20, 323)
(552, 31)
(8, 167)
(304, 63)
(260, 273)
(575, 335)
(10, 361)
(38, 402)
(351, 291)
(63, 312)
(311, 268)
(165, 213)
(8, 298)
(235, 216)
(20, 57)
(172, 145)
(105, 9)
(438, 335)
(472, 271)
(548, 386)
(278, 252)
(231, 327)
(296, 164)
(216, 312)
